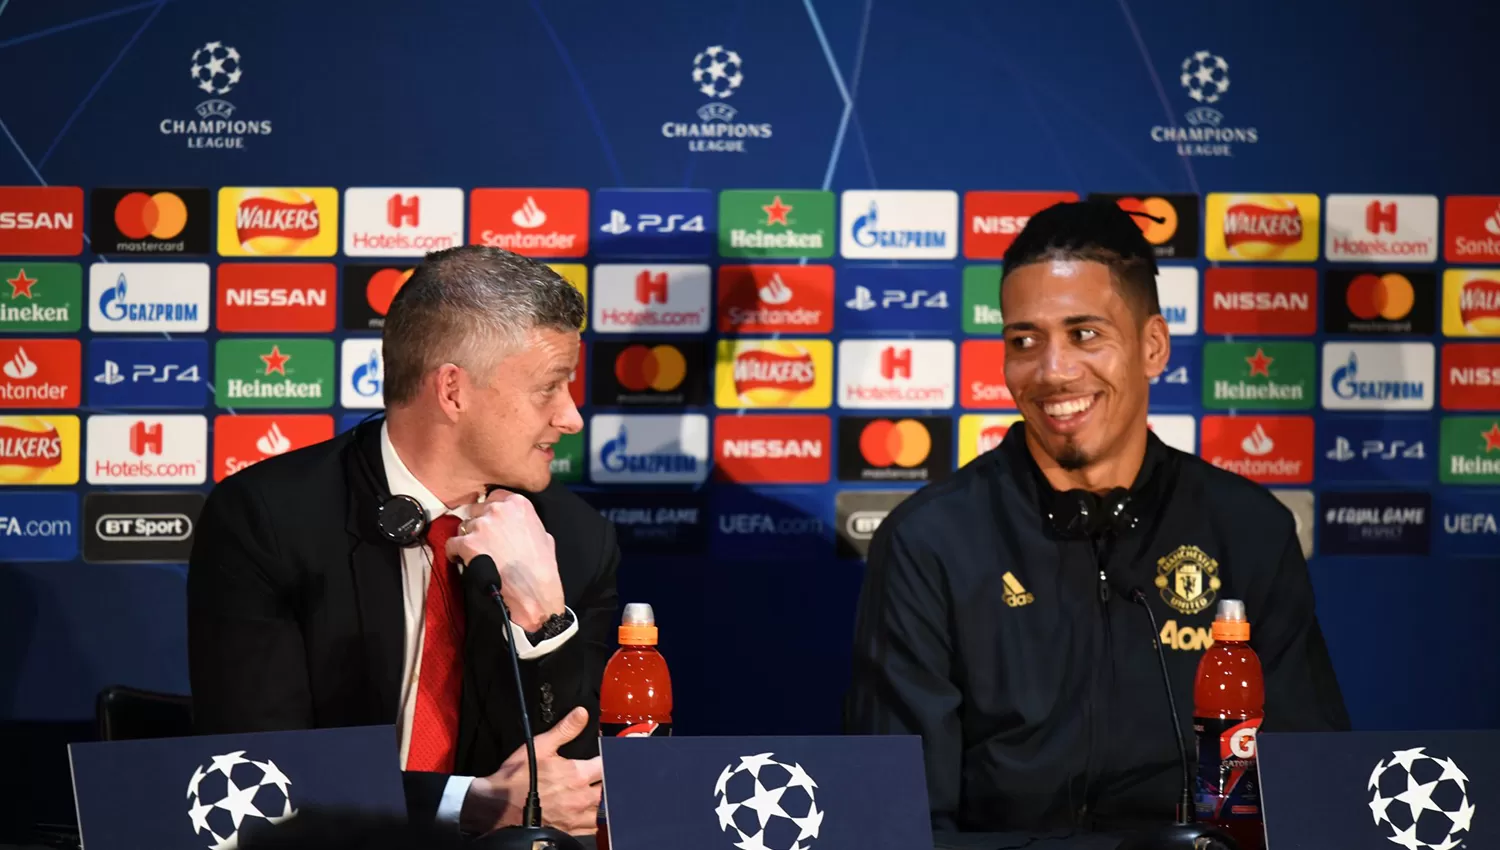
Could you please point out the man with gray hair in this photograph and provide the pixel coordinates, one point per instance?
(325, 585)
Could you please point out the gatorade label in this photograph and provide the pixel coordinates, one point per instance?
(644, 729)
(1227, 783)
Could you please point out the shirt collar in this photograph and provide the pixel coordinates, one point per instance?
(399, 480)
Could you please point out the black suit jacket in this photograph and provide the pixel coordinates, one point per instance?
(295, 613)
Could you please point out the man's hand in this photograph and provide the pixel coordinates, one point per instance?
(569, 789)
(505, 527)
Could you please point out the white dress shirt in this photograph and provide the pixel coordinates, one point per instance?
(416, 565)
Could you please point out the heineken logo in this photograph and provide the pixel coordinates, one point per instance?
(275, 373)
(981, 314)
(776, 224)
(41, 297)
(1470, 449)
(1258, 376)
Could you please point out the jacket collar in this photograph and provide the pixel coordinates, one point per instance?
(1035, 485)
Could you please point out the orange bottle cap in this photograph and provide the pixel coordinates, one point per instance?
(638, 625)
(638, 635)
(1231, 623)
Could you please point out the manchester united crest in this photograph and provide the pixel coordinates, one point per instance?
(1188, 579)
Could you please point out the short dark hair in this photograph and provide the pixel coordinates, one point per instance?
(470, 305)
(1091, 231)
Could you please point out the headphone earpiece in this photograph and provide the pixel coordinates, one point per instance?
(1080, 514)
(401, 519)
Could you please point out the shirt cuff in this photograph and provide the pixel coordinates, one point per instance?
(526, 652)
(452, 804)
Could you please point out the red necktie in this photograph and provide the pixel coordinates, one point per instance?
(434, 726)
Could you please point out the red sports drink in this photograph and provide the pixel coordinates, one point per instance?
(636, 698)
(1228, 704)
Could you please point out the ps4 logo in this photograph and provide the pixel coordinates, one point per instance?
(897, 298)
(1343, 450)
(619, 223)
(147, 372)
(1172, 376)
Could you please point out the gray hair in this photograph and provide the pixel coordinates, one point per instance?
(470, 306)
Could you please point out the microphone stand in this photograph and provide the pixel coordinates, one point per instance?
(1184, 833)
(530, 834)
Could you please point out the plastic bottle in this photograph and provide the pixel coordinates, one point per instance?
(1228, 705)
(635, 700)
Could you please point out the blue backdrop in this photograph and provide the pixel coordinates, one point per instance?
(862, 94)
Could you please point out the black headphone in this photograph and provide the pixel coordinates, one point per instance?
(1083, 515)
(400, 518)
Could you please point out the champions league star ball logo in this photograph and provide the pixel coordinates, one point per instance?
(768, 804)
(1423, 800)
(216, 68)
(1205, 76)
(232, 791)
(716, 71)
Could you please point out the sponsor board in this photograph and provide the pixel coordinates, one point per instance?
(1472, 229)
(776, 224)
(402, 222)
(531, 222)
(148, 297)
(979, 433)
(1471, 302)
(900, 374)
(142, 221)
(1378, 375)
(41, 297)
(244, 440)
(284, 372)
(899, 225)
(1260, 302)
(368, 293)
(1466, 525)
(992, 220)
(651, 299)
(361, 374)
(653, 223)
(1258, 375)
(775, 299)
(1177, 385)
(912, 448)
(147, 373)
(1388, 228)
(38, 450)
(277, 297)
(1375, 449)
(647, 372)
(1266, 449)
(1366, 523)
(278, 222)
(648, 449)
(773, 449)
(38, 221)
(38, 526)
(1178, 430)
(139, 528)
(40, 373)
(784, 373)
(1379, 302)
(1262, 228)
(1471, 376)
(655, 523)
(1469, 450)
(898, 298)
(1175, 235)
(858, 514)
(144, 449)
(1177, 292)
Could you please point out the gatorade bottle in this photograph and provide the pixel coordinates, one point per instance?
(636, 698)
(1228, 704)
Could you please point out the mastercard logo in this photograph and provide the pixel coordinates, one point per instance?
(383, 286)
(1157, 233)
(1386, 296)
(282, 222)
(162, 215)
(904, 443)
(659, 367)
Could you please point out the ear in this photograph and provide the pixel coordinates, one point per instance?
(453, 389)
(1156, 345)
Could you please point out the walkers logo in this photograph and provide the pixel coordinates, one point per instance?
(773, 449)
(577, 275)
(1470, 450)
(151, 221)
(773, 299)
(1471, 376)
(1177, 291)
(1471, 302)
(139, 528)
(788, 373)
(858, 514)
(1175, 237)
(979, 433)
(1262, 228)
(1391, 303)
(41, 220)
(717, 73)
(1180, 431)
(40, 372)
(1376, 523)
(141, 297)
(1378, 375)
(1375, 449)
(137, 449)
(900, 374)
(1393, 228)
(1177, 385)
(1261, 302)
(362, 375)
(38, 450)
(39, 297)
(648, 449)
(656, 223)
(39, 526)
(241, 441)
(898, 298)
(567, 458)
(655, 523)
(1468, 526)
(262, 297)
(1267, 449)
(881, 449)
(278, 222)
(531, 222)
(148, 373)
(1473, 234)
(1258, 375)
(1204, 77)
(404, 222)
(659, 298)
(651, 373)
(993, 219)
(785, 524)
(215, 72)
(981, 308)
(368, 293)
(776, 224)
(981, 374)
(899, 225)
(273, 373)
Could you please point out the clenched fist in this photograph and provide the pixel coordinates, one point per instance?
(505, 527)
(568, 789)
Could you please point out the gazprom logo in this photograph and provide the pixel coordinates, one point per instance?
(867, 234)
(115, 306)
(1346, 385)
(616, 457)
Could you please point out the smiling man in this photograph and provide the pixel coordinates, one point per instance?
(996, 619)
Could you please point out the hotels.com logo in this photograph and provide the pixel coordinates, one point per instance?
(665, 298)
(241, 441)
(397, 222)
(531, 222)
(155, 450)
(1393, 228)
(41, 220)
(904, 374)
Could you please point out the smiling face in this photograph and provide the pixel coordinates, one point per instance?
(1079, 359)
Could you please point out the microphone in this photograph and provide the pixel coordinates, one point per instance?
(482, 575)
(1183, 834)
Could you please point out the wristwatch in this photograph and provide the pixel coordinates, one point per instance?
(551, 627)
